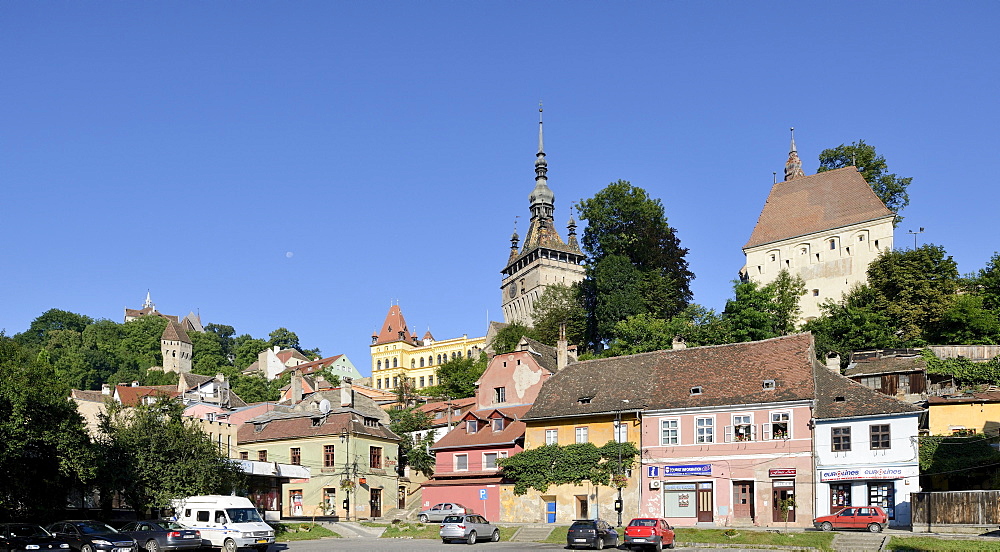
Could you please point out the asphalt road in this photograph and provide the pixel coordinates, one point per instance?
(392, 545)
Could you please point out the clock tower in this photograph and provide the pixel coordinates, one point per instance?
(544, 259)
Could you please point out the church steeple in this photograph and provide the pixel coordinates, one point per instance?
(793, 167)
(542, 199)
(148, 304)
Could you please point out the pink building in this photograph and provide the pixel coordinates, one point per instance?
(726, 436)
(465, 467)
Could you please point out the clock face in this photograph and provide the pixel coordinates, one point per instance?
(512, 290)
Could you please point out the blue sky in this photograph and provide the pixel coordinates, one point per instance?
(305, 164)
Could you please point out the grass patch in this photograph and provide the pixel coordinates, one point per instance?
(406, 530)
(558, 535)
(920, 544)
(507, 532)
(811, 539)
(298, 532)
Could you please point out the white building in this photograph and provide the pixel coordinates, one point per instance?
(866, 449)
(826, 228)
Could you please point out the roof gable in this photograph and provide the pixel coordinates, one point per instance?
(816, 203)
(841, 397)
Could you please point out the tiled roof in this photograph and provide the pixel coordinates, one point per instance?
(727, 374)
(545, 355)
(275, 426)
(392, 326)
(815, 203)
(987, 397)
(887, 365)
(86, 395)
(841, 397)
(512, 431)
(174, 332)
(192, 380)
(285, 355)
(132, 396)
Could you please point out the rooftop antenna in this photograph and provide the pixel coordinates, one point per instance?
(915, 236)
(774, 177)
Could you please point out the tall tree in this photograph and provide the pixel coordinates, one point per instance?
(507, 338)
(987, 283)
(457, 378)
(52, 319)
(626, 226)
(763, 311)
(891, 189)
(560, 304)
(413, 449)
(284, 338)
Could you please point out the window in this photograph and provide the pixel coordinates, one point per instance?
(262, 456)
(840, 496)
(833, 244)
(421, 381)
(582, 435)
(498, 424)
(815, 293)
(461, 462)
(551, 437)
(872, 382)
(742, 427)
(471, 426)
(621, 432)
(421, 362)
(244, 455)
(430, 380)
(328, 458)
(696, 390)
(489, 461)
(379, 382)
(780, 426)
(669, 432)
(499, 394)
(375, 457)
(379, 364)
(413, 363)
(880, 437)
(395, 362)
(705, 430)
(296, 456)
(840, 439)
(395, 381)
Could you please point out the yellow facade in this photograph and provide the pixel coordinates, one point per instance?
(569, 502)
(351, 460)
(964, 418)
(402, 359)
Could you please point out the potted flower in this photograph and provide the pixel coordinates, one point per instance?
(619, 480)
(346, 484)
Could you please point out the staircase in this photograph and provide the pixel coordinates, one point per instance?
(532, 533)
(856, 541)
(353, 530)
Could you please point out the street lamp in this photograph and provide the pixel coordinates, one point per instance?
(915, 236)
(619, 505)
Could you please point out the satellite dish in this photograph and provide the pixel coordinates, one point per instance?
(324, 406)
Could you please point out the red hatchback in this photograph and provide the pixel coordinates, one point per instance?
(653, 533)
(872, 518)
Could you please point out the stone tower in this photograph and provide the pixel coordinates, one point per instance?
(544, 259)
(175, 345)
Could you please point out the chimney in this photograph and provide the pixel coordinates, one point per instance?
(678, 343)
(296, 387)
(833, 362)
(105, 389)
(562, 349)
(346, 392)
(135, 383)
(220, 377)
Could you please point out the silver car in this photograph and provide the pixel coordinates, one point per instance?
(442, 510)
(469, 528)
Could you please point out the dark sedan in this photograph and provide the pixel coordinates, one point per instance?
(25, 537)
(92, 536)
(595, 533)
(163, 534)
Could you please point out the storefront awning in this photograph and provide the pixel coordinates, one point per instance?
(274, 469)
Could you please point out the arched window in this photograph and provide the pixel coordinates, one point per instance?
(413, 363)
(421, 362)
(395, 362)
(460, 354)
(379, 365)
(439, 359)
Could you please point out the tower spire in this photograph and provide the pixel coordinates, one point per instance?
(542, 199)
(793, 167)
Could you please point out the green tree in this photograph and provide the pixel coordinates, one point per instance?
(414, 451)
(560, 304)
(151, 456)
(141, 341)
(891, 189)
(246, 349)
(208, 354)
(761, 312)
(509, 336)
(853, 323)
(44, 448)
(987, 283)
(52, 319)
(641, 333)
(626, 226)
(284, 338)
(967, 322)
(538, 468)
(457, 378)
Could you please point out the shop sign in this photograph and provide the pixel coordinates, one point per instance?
(781, 472)
(679, 487)
(689, 469)
(868, 473)
(779, 483)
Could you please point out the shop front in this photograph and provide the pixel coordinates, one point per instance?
(885, 486)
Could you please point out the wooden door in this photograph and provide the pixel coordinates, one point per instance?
(401, 502)
(743, 499)
(784, 491)
(375, 502)
(705, 502)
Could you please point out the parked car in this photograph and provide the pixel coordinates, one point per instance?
(22, 537)
(440, 511)
(163, 534)
(468, 527)
(872, 518)
(91, 536)
(226, 522)
(653, 533)
(596, 533)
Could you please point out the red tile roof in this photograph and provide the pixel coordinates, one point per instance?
(512, 431)
(988, 397)
(841, 397)
(314, 366)
(174, 332)
(289, 426)
(394, 328)
(133, 396)
(814, 203)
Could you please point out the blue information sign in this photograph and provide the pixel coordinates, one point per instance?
(482, 494)
(652, 471)
(689, 469)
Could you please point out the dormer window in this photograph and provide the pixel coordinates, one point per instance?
(316, 422)
(768, 384)
(584, 400)
(498, 424)
(471, 426)
(371, 422)
(696, 390)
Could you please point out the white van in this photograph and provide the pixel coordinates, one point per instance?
(226, 522)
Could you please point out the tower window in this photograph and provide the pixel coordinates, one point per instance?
(833, 244)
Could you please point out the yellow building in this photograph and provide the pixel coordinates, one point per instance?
(564, 503)
(971, 414)
(398, 354)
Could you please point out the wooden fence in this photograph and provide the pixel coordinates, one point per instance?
(934, 510)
